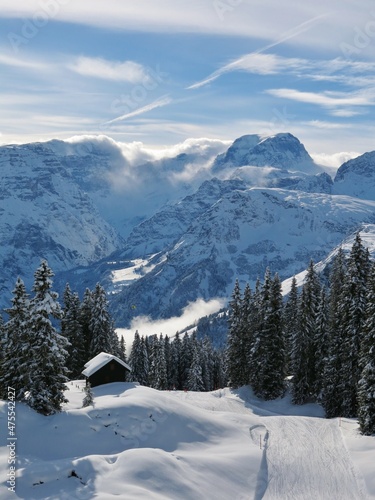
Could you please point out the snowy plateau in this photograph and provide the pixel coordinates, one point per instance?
(161, 231)
(140, 443)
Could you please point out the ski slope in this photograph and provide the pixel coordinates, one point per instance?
(139, 443)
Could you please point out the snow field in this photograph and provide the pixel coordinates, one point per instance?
(139, 443)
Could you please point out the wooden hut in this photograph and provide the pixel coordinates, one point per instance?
(105, 369)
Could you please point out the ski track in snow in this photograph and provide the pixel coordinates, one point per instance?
(304, 458)
(307, 459)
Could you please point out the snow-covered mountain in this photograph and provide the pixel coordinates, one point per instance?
(281, 151)
(161, 230)
(240, 235)
(71, 202)
(44, 213)
(357, 177)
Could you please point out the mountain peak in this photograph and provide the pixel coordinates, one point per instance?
(283, 151)
(356, 177)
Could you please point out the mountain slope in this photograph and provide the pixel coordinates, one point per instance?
(357, 177)
(240, 235)
(44, 214)
(137, 442)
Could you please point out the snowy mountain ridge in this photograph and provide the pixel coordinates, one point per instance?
(162, 231)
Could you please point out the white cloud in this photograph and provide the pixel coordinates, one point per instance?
(158, 103)
(190, 315)
(327, 99)
(327, 125)
(334, 160)
(126, 71)
(19, 62)
(263, 64)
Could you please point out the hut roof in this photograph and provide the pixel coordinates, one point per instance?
(101, 360)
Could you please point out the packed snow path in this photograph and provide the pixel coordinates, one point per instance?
(306, 459)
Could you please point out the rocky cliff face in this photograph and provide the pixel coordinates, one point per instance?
(357, 177)
(45, 214)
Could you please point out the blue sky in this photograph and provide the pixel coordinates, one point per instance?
(162, 71)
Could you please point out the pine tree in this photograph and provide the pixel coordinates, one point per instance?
(207, 364)
(269, 348)
(122, 349)
(186, 359)
(46, 346)
(366, 386)
(103, 335)
(158, 369)
(71, 328)
(15, 366)
(332, 397)
(247, 329)
(352, 311)
(167, 356)
(85, 321)
(138, 360)
(303, 353)
(176, 371)
(320, 345)
(195, 380)
(290, 322)
(236, 345)
(220, 377)
(88, 400)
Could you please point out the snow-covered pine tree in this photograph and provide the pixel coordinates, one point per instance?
(71, 328)
(85, 320)
(15, 333)
(103, 336)
(138, 361)
(158, 369)
(88, 400)
(320, 345)
(122, 348)
(186, 359)
(290, 321)
(303, 354)
(220, 377)
(258, 355)
(366, 385)
(162, 375)
(352, 312)
(175, 369)
(236, 346)
(167, 356)
(332, 398)
(247, 328)
(207, 363)
(269, 349)
(47, 348)
(194, 380)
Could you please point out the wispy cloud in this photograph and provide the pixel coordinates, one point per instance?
(191, 313)
(18, 62)
(337, 102)
(260, 63)
(162, 101)
(126, 71)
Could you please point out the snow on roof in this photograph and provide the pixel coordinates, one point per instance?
(99, 361)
